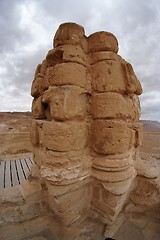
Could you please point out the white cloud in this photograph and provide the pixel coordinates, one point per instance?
(28, 27)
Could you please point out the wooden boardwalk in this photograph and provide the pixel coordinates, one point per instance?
(13, 172)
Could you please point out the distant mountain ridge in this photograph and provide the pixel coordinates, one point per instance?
(8, 117)
(13, 115)
(14, 121)
(151, 126)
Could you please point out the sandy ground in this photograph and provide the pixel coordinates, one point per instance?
(139, 227)
(148, 229)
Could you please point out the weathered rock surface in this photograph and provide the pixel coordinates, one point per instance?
(88, 133)
(66, 102)
(86, 137)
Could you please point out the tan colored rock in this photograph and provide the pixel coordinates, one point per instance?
(86, 139)
(107, 215)
(37, 71)
(108, 76)
(64, 176)
(110, 230)
(107, 211)
(111, 137)
(112, 166)
(114, 106)
(33, 227)
(64, 136)
(37, 132)
(69, 201)
(67, 159)
(94, 57)
(66, 74)
(113, 200)
(119, 188)
(133, 84)
(66, 102)
(113, 176)
(66, 53)
(41, 69)
(85, 134)
(102, 41)
(34, 132)
(139, 134)
(44, 67)
(70, 33)
(114, 162)
(55, 159)
(31, 190)
(38, 86)
(38, 238)
(147, 191)
(115, 76)
(35, 172)
(59, 190)
(70, 207)
(38, 155)
(38, 108)
(73, 216)
(11, 195)
(147, 168)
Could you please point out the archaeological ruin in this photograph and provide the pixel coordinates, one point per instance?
(85, 130)
(86, 136)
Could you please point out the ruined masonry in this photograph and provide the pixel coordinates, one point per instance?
(85, 133)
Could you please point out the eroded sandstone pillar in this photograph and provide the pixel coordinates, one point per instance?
(115, 112)
(85, 132)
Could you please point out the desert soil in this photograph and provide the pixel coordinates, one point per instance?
(15, 143)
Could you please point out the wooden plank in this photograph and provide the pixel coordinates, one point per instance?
(2, 174)
(15, 181)
(14, 172)
(20, 171)
(29, 162)
(26, 162)
(11, 174)
(24, 168)
(7, 175)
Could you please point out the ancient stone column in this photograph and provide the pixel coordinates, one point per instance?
(60, 110)
(115, 130)
(85, 132)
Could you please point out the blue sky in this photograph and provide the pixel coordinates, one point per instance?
(28, 26)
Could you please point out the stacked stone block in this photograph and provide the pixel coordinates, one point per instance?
(115, 112)
(60, 130)
(85, 130)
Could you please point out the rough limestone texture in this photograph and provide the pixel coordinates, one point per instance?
(85, 134)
